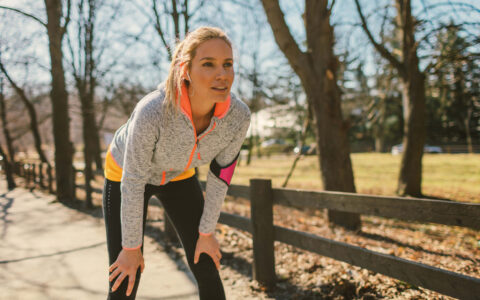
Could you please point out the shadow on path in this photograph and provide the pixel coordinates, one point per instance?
(5, 204)
(284, 287)
(51, 254)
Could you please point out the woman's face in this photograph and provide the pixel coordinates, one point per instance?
(211, 71)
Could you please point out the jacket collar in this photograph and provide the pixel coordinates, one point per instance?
(220, 111)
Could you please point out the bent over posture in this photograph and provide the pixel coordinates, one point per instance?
(191, 119)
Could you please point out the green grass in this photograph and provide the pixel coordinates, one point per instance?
(451, 176)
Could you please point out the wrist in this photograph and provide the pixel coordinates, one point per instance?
(132, 249)
(203, 234)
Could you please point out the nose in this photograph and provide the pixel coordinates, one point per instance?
(221, 73)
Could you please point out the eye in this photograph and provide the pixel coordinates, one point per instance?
(227, 65)
(207, 64)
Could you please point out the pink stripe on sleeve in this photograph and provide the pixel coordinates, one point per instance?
(227, 173)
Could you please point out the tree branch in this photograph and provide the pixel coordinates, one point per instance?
(158, 27)
(467, 6)
(175, 17)
(25, 14)
(186, 17)
(282, 34)
(381, 49)
(67, 18)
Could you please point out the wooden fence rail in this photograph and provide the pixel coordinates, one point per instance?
(423, 210)
(262, 197)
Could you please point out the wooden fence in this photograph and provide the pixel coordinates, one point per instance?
(262, 198)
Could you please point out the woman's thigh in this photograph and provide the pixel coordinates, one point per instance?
(183, 201)
(111, 213)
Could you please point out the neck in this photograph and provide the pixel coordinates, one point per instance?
(201, 109)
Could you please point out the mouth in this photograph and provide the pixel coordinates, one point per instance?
(221, 89)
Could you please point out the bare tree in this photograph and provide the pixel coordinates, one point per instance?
(413, 82)
(8, 169)
(317, 69)
(84, 65)
(34, 128)
(3, 117)
(303, 134)
(8, 160)
(58, 95)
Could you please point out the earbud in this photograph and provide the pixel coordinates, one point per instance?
(188, 75)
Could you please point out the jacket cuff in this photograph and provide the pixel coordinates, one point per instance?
(134, 248)
(206, 234)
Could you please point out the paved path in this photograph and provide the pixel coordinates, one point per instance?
(49, 251)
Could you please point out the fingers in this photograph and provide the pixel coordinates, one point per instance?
(118, 281)
(131, 283)
(196, 256)
(114, 274)
(210, 247)
(215, 257)
(217, 263)
(113, 266)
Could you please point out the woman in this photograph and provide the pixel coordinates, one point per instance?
(190, 120)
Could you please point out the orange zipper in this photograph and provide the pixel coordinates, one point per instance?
(214, 124)
(197, 140)
(191, 155)
(163, 178)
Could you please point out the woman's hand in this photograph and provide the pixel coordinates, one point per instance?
(209, 245)
(127, 264)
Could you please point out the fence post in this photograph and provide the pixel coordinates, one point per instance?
(17, 168)
(21, 169)
(27, 174)
(74, 183)
(50, 179)
(40, 175)
(34, 175)
(263, 232)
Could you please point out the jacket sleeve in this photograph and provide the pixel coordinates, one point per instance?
(218, 179)
(141, 138)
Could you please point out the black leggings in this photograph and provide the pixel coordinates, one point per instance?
(183, 202)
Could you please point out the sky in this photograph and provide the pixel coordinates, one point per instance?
(132, 61)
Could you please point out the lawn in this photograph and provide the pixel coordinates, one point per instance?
(449, 176)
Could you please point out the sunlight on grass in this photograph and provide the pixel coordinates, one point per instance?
(450, 176)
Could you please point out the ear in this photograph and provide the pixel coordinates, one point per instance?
(184, 71)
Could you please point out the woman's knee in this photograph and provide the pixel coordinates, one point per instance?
(205, 266)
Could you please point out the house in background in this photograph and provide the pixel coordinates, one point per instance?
(268, 121)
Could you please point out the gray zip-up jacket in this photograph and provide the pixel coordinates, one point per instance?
(155, 146)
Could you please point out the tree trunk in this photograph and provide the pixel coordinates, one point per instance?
(88, 149)
(413, 81)
(317, 71)
(467, 130)
(59, 97)
(250, 147)
(303, 133)
(8, 167)
(413, 84)
(410, 179)
(32, 113)
(6, 132)
(95, 150)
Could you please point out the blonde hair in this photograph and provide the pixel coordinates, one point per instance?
(182, 58)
